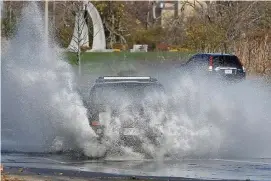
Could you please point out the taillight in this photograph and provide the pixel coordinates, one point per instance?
(95, 123)
(211, 64)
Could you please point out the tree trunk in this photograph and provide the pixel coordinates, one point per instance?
(79, 61)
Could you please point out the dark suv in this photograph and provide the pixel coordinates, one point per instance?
(222, 65)
(123, 95)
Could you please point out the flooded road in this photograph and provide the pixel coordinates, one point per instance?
(253, 169)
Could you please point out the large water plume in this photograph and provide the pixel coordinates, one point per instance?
(206, 117)
(217, 120)
(41, 110)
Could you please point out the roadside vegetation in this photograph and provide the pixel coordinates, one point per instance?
(239, 27)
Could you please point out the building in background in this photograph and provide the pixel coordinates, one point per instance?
(164, 10)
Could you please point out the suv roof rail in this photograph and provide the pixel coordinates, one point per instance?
(125, 78)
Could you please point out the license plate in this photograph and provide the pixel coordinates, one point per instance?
(228, 71)
(130, 132)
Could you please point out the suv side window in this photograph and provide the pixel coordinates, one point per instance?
(198, 60)
(194, 59)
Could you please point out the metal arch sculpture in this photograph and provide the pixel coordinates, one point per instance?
(99, 42)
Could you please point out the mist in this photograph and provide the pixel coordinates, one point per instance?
(41, 110)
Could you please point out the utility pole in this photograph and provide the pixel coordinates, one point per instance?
(54, 16)
(46, 21)
(10, 11)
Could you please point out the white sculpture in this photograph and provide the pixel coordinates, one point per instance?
(99, 42)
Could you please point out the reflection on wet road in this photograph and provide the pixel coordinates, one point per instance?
(254, 169)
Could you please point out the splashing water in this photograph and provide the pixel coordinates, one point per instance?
(41, 110)
(206, 118)
(209, 119)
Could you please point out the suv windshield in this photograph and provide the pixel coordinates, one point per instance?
(227, 61)
(117, 93)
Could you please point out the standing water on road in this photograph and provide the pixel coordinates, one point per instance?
(41, 110)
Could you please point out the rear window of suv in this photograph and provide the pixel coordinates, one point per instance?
(227, 61)
(113, 93)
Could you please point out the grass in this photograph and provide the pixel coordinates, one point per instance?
(114, 62)
(128, 56)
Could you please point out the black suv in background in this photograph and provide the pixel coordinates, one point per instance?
(223, 65)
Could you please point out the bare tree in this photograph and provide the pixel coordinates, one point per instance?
(80, 35)
(10, 12)
(75, 27)
(141, 11)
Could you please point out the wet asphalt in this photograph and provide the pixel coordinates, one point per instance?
(183, 169)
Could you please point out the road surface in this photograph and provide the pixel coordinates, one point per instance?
(212, 169)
